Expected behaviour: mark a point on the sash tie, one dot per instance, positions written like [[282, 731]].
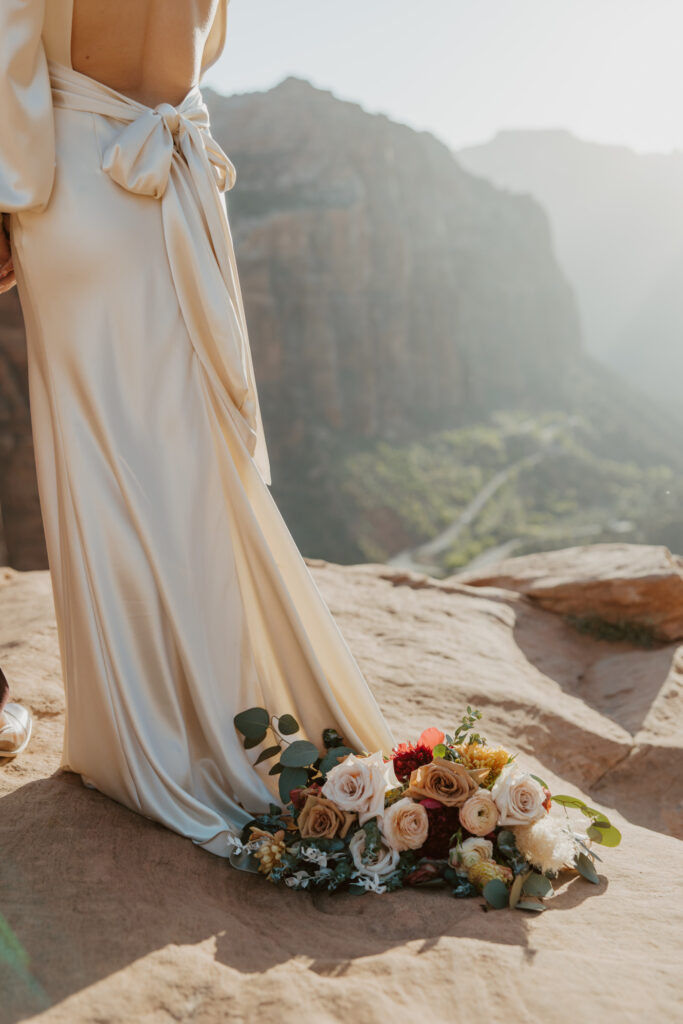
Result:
[[168, 153], [140, 157]]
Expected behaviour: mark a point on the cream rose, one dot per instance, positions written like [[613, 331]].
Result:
[[383, 863], [359, 784], [479, 814], [518, 797], [405, 825], [321, 819], [446, 781], [470, 852]]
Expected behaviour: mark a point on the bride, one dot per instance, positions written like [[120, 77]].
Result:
[[180, 595]]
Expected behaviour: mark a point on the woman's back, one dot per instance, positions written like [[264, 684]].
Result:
[[150, 50]]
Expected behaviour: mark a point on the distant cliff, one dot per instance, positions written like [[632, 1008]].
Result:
[[389, 295], [617, 216], [387, 289]]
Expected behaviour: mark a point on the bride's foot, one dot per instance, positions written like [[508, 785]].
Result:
[[16, 724]]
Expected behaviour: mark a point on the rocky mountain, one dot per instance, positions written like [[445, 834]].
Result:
[[617, 218], [109, 916], [390, 296]]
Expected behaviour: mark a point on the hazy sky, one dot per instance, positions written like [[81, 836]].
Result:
[[609, 70]]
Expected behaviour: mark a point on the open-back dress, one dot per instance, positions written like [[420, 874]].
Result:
[[180, 595]]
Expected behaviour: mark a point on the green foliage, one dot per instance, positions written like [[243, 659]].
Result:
[[537, 885], [564, 484], [333, 757], [289, 779], [585, 867], [496, 894], [460, 736], [299, 754], [530, 903], [253, 723], [331, 738], [373, 840], [509, 854], [463, 889], [606, 835], [601, 829], [268, 753], [287, 725]]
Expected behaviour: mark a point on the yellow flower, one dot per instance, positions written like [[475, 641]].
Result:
[[485, 871], [475, 755], [270, 851]]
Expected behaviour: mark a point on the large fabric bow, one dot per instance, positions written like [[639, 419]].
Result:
[[140, 158]]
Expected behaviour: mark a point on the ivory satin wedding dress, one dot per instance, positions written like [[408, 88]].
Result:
[[180, 595]]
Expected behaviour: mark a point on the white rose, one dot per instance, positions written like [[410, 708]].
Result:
[[384, 862], [359, 784], [518, 797], [470, 852], [405, 824]]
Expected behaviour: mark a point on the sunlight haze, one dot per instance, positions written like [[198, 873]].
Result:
[[607, 70]]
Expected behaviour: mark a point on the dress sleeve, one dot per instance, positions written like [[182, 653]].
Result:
[[27, 141]]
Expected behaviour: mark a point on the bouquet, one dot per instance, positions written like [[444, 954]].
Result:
[[448, 810]]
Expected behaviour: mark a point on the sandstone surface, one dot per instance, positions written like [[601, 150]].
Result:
[[108, 917]]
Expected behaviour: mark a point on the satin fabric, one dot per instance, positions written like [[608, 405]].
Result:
[[180, 595]]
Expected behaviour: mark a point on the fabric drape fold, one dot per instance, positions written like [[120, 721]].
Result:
[[27, 142], [162, 153]]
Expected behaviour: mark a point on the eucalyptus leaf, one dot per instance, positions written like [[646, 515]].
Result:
[[537, 885], [333, 757], [287, 725], [540, 781], [590, 812], [463, 889], [496, 893], [568, 801], [584, 865], [268, 752], [606, 835], [244, 861], [253, 741], [299, 754], [529, 903], [276, 769], [252, 722], [289, 779]]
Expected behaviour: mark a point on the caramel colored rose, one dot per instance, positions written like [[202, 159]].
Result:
[[319, 818], [446, 781]]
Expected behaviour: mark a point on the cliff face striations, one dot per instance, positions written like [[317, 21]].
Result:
[[387, 289], [388, 293]]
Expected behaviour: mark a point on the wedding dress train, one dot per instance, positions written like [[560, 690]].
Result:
[[180, 595]]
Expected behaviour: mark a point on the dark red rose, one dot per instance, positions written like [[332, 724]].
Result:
[[298, 795], [409, 756], [423, 874], [443, 822]]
